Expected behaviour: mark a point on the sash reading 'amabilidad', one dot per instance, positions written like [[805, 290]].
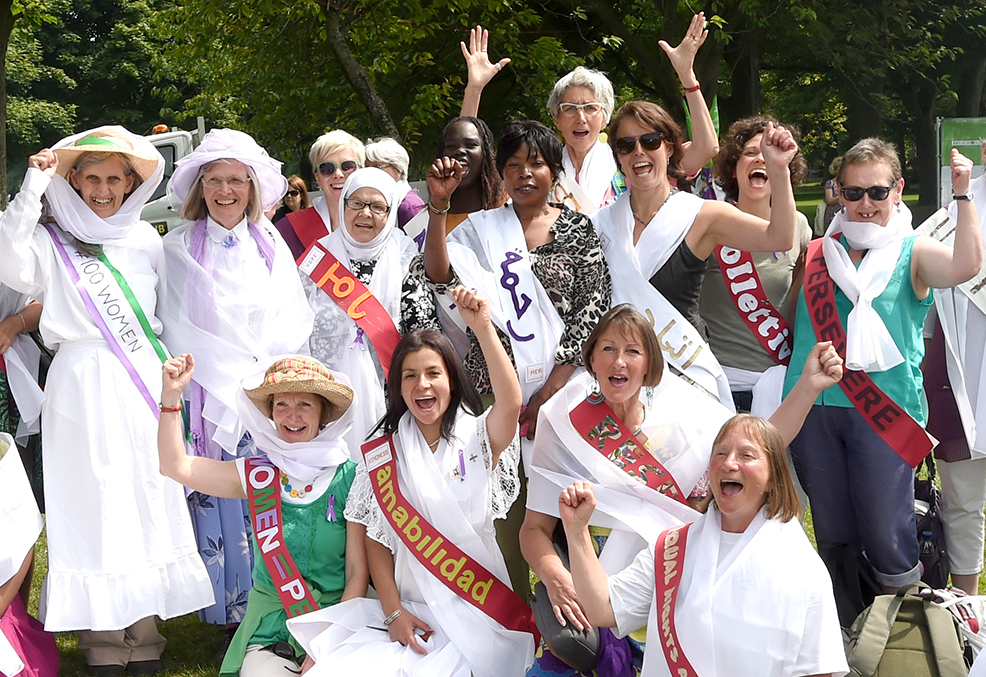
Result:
[[601, 428], [354, 298], [456, 570], [739, 274], [887, 418], [669, 559], [266, 518], [117, 314]]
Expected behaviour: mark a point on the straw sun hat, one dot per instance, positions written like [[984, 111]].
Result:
[[302, 375], [106, 141]]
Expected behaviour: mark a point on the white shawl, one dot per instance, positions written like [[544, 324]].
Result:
[[22, 359], [596, 177]]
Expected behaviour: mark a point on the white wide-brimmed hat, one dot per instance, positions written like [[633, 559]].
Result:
[[145, 160]]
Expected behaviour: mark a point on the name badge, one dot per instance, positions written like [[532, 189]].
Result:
[[535, 372], [378, 457], [312, 260]]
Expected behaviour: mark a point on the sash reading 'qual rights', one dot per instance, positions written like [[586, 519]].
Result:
[[352, 296], [456, 570], [266, 518], [887, 418], [743, 284], [669, 558], [602, 428], [117, 314]]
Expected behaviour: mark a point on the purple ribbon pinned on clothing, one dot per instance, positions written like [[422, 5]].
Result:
[[330, 514]]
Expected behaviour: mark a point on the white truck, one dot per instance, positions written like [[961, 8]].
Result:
[[173, 145]]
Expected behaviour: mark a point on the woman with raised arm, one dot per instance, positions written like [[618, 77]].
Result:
[[297, 412], [745, 564], [428, 492]]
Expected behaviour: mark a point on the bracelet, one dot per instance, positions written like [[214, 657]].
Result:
[[966, 197], [392, 617], [23, 322], [689, 90], [436, 210], [169, 410]]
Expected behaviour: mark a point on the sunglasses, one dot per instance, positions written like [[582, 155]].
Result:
[[329, 168], [626, 144], [294, 192], [356, 205], [876, 193]]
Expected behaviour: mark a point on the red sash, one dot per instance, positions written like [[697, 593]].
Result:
[[451, 566], [307, 225], [3, 364], [669, 558], [602, 428], [760, 316], [888, 419], [360, 304], [264, 500]]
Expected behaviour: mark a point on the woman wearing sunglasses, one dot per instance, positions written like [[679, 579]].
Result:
[[657, 239], [334, 156], [364, 301], [867, 287], [294, 200]]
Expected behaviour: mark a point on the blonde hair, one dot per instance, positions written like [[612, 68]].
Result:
[[334, 141]]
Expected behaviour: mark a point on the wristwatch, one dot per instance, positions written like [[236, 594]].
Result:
[[964, 196]]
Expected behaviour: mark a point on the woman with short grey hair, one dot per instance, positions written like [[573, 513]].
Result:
[[390, 156]]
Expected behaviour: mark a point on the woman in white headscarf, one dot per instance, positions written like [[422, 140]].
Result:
[[120, 545], [230, 294], [358, 337]]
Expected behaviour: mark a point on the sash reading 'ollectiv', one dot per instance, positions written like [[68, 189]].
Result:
[[264, 500], [602, 428], [117, 314], [669, 558], [759, 315], [455, 569], [888, 419], [360, 304]]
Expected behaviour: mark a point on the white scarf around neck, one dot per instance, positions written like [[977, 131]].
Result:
[[598, 169]]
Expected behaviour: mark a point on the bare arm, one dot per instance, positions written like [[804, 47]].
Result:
[[556, 380], [823, 368], [444, 176], [502, 420], [575, 505], [206, 475], [10, 589], [20, 322], [357, 570], [539, 551], [381, 565], [705, 143], [935, 265], [479, 68]]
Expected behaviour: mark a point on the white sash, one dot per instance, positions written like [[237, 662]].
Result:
[[682, 345], [595, 181], [417, 228], [569, 193]]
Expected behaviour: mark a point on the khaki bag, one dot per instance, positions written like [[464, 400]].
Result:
[[905, 635]]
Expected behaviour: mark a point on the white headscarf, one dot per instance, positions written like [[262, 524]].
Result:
[[368, 177], [74, 215]]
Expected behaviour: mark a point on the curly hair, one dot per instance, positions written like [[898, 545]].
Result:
[[731, 149], [490, 182], [651, 116]]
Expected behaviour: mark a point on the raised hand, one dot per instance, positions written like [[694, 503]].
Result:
[[474, 308], [778, 147], [444, 176], [823, 367], [45, 160], [961, 172], [576, 504], [177, 372], [683, 56], [478, 65]]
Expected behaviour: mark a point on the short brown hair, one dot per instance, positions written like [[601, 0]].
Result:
[[628, 318], [195, 209], [871, 151], [782, 500], [731, 148], [651, 116]]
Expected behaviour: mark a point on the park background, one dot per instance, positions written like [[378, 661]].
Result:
[[288, 70]]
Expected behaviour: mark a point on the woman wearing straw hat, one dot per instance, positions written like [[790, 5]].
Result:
[[120, 545], [229, 293], [297, 414]]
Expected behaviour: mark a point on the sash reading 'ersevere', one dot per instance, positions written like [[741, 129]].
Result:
[[888, 419], [360, 304], [266, 518], [669, 558], [743, 284], [459, 572], [601, 428]]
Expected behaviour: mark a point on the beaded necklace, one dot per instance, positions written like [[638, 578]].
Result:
[[289, 489]]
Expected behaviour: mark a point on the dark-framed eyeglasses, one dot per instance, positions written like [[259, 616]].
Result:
[[626, 144], [876, 193], [329, 168], [357, 205]]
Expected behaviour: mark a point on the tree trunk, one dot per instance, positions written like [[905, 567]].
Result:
[[6, 26], [864, 113], [357, 77], [971, 85], [920, 100]]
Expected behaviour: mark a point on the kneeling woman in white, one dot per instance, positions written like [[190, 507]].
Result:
[[740, 591], [442, 472]]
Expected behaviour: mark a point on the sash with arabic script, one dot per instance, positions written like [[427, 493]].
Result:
[[742, 282], [354, 298], [264, 500], [456, 570], [117, 314], [669, 559], [601, 428], [887, 418]]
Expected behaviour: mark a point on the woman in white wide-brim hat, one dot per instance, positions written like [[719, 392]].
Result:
[[120, 546], [230, 294]]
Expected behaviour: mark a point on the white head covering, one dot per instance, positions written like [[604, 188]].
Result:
[[74, 216], [229, 144], [368, 177]]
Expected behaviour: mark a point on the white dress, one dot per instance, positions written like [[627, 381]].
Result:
[[120, 543]]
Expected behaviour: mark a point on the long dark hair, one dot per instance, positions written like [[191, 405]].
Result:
[[490, 183], [462, 391]]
